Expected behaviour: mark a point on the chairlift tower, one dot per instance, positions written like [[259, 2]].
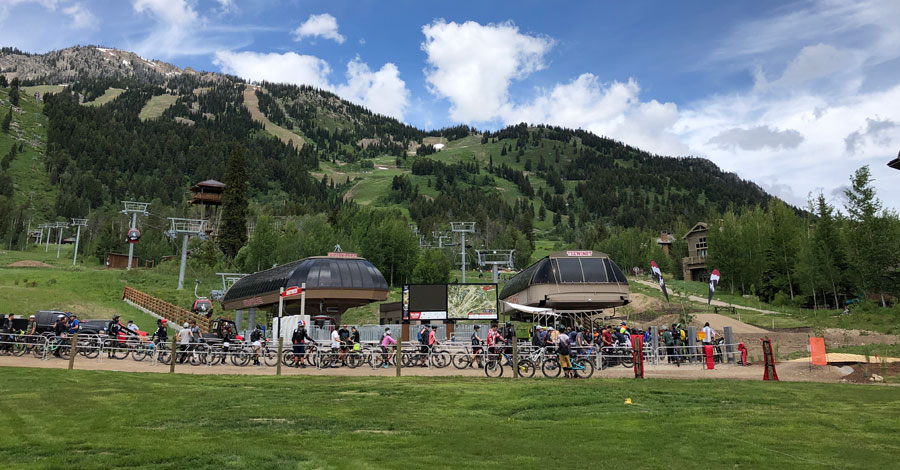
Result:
[[495, 259], [134, 208], [462, 228], [77, 223], [59, 229], [50, 228], [186, 228], [41, 237]]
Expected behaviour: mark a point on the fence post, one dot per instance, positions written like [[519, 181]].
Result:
[[515, 348], [399, 355], [692, 343], [73, 350], [654, 343], [729, 345], [173, 355]]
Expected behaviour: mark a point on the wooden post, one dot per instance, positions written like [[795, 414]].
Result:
[[173, 355], [73, 350], [278, 331], [398, 356], [515, 348]]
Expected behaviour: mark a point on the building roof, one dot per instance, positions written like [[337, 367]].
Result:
[[700, 227], [895, 163], [567, 267], [209, 185], [317, 272]]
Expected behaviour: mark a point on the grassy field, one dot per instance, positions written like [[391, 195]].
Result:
[[89, 290], [109, 95], [286, 136], [156, 105], [86, 420]]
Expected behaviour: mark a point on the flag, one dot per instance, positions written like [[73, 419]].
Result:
[[659, 278], [713, 282]]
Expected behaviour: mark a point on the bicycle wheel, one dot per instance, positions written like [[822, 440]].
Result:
[[64, 350], [118, 351], [461, 360], [163, 355], [627, 359], [269, 357], [526, 368], [19, 348], [139, 353], [39, 349], [240, 357], [440, 359], [89, 348], [551, 368], [354, 359], [583, 368], [493, 368], [199, 355]]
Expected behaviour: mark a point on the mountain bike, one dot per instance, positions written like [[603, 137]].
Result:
[[582, 367], [493, 367]]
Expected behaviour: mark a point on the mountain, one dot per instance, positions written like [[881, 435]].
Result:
[[117, 126]]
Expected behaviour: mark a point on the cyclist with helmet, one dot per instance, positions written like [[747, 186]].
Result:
[[298, 342], [256, 341], [161, 335], [60, 329], [74, 323], [477, 350], [184, 342]]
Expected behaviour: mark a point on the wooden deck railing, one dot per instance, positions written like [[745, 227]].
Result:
[[165, 309]]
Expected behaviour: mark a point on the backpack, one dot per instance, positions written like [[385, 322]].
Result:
[[683, 335], [256, 335]]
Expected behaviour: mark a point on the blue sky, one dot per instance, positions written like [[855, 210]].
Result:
[[793, 95]]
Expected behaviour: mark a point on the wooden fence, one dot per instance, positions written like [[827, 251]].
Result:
[[164, 309]]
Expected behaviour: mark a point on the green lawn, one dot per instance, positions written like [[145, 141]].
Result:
[[86, 420]]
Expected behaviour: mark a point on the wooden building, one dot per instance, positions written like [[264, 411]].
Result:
[[694, 265], [664, 241]]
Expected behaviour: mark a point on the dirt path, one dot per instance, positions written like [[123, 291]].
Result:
[[719, 322], [251, 102], [694, 298], [787, 371]]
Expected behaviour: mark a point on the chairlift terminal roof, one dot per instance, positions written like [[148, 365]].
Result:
[[327, 278]]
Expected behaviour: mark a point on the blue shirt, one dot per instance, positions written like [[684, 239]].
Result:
[[74, 326]]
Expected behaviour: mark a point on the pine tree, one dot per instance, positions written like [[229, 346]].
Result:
[[233, 232], [7, 120], [14, 92], [3, 82], [503, 151], [8, 158]]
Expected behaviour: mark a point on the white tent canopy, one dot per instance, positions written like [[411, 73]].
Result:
[[527, 309]]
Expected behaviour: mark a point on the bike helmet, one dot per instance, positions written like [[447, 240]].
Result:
[[164, 321], [115, 318], [301, 323], [186, 325], [258, 326], [61, 316], [30, 317]]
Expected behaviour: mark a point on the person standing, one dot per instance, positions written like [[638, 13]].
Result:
[[708, 334], [298, 339], [74, 324], [476, 348], [386, 343], [184, 342], [563, 351]]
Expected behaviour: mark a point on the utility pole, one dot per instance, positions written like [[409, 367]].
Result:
[[462, 228], [134, 208], [59, 227], [185, 228], [49, 229], [77, 223]]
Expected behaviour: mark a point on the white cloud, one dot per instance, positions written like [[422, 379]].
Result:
[[382, 91], [757, 138], [289, 67], [173, 12], [82, 18], [880, 132], [323, 25], [473, 65], [613, 110], [226, 6]]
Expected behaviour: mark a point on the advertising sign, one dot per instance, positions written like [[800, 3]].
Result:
[[424, 302]]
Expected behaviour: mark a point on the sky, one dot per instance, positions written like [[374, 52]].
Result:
[[793, 95]]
